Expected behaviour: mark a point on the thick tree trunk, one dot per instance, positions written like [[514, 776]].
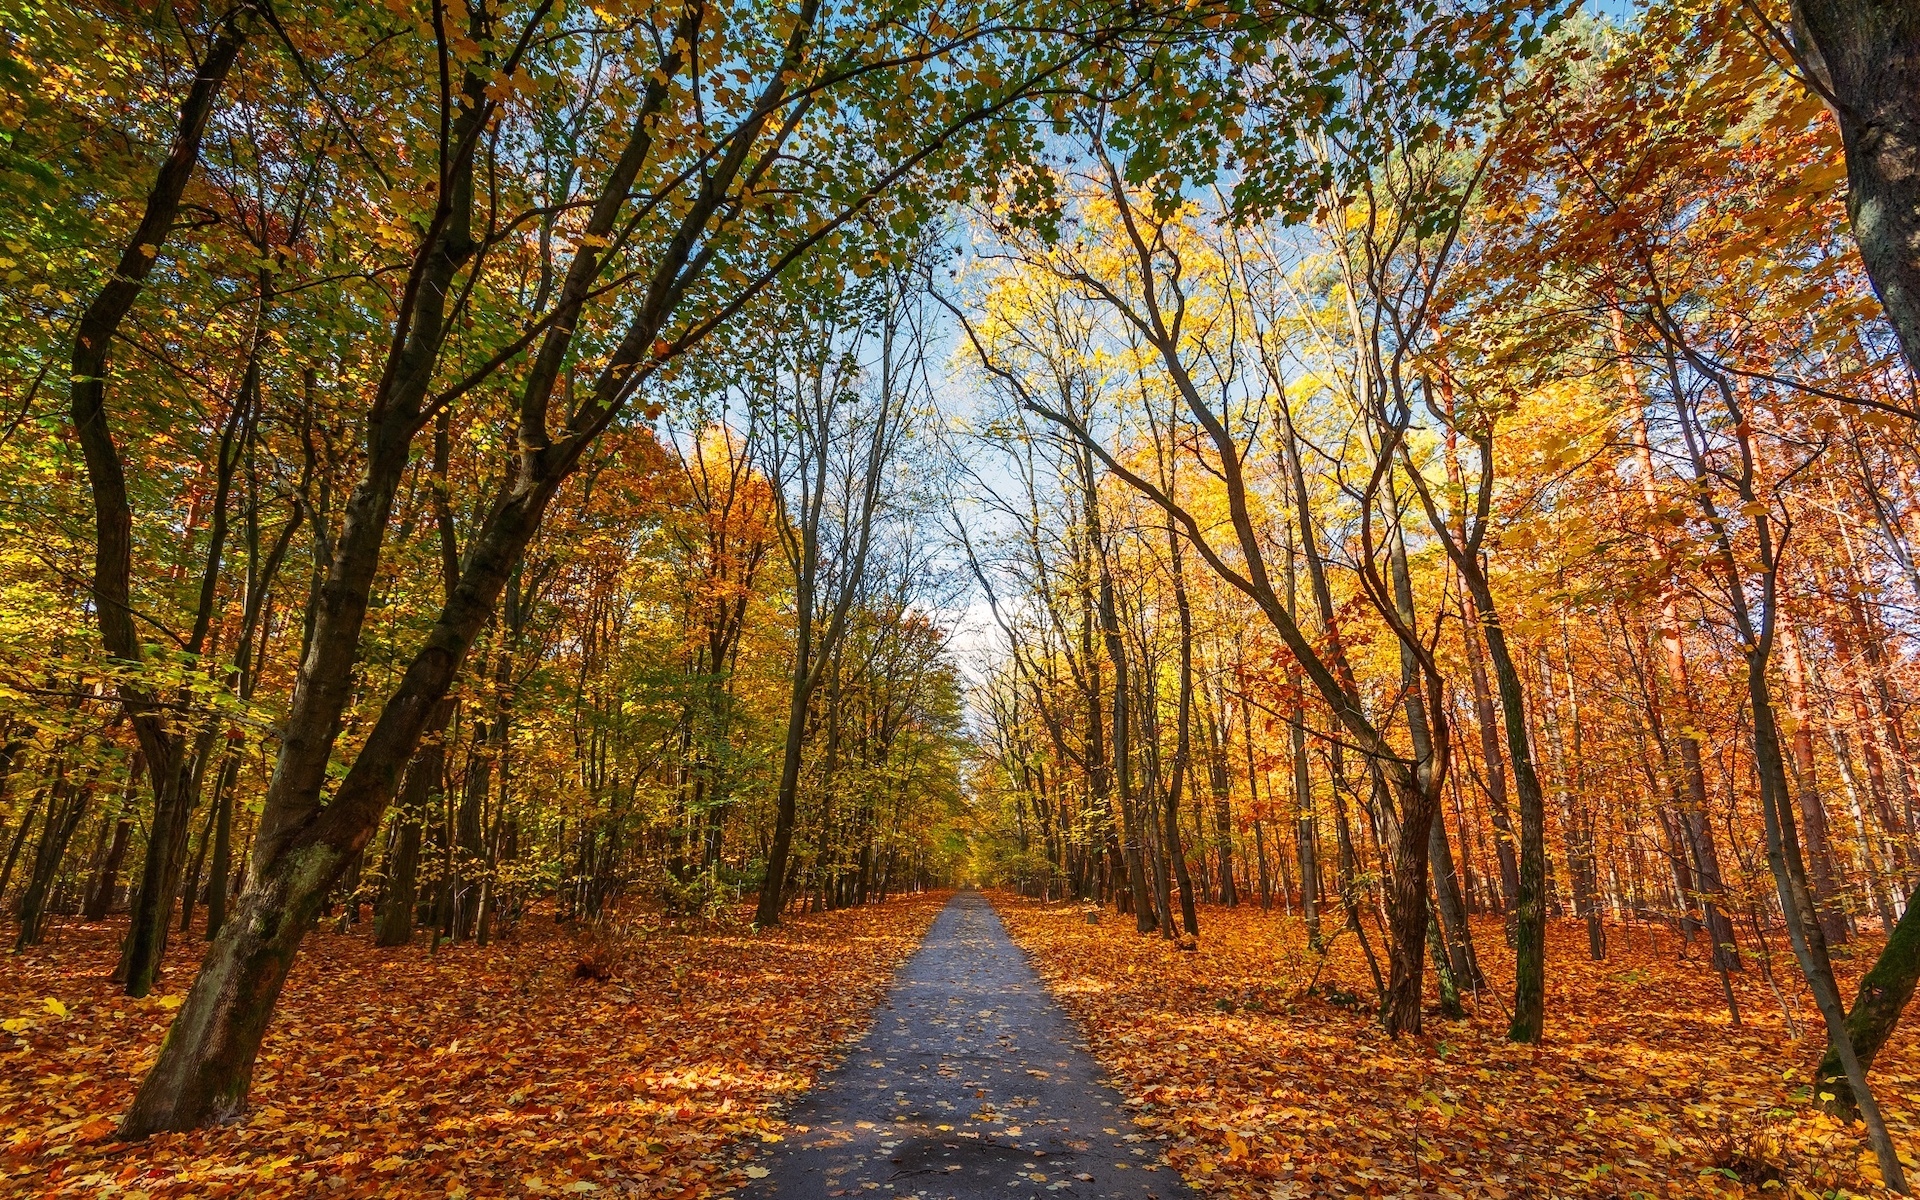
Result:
[[1883, 995], [231, 1001], [206, 1063], [1865, 56], [1407, 909]]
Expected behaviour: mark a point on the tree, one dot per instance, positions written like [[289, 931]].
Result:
[[833, 418], [1863, 58], [693, 211]]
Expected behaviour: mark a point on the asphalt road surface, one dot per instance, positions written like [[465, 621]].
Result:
[[971, 1083]]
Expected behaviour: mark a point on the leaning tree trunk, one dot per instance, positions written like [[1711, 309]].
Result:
[[1800, 912], [206, 1063], [1884, 992]]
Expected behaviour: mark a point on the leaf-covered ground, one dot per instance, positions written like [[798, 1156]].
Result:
[[477, 1071], [1260, 1091]]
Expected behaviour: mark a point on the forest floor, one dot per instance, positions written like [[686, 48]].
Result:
[[480, 1071], [1259, 1090]]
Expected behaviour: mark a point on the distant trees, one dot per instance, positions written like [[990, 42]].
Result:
[[1434, 462], [1530, 470]]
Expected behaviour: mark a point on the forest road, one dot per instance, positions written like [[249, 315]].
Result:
[[971, 1083]]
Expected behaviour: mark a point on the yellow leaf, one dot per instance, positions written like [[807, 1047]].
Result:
[[53, 1006]]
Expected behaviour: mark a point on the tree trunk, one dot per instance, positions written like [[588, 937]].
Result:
[[1690, 791], [1143, 916], [190, 892], [1416, 796], [19, 840], [222, 845], [1453, 911], [1223, 820], [1183, 742], [469, 852], [231, 1001], [113, 519], [394, 925], [1304, 844], [63, 817], [1884, 992], [1530, 929], [1813, 812], [107, 882], [1408, 910], [1493, 763], [1802, 919], [1443, 960], [805, 675], [1865, 56]]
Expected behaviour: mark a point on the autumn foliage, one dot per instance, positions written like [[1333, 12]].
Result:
[[1257, 1065], [480, 1071], [489, 487]]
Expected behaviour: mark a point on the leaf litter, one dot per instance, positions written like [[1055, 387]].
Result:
[[1258, 1089], [472, 1071]]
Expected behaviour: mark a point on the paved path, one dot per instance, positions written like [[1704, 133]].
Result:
[[972, 1083]]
